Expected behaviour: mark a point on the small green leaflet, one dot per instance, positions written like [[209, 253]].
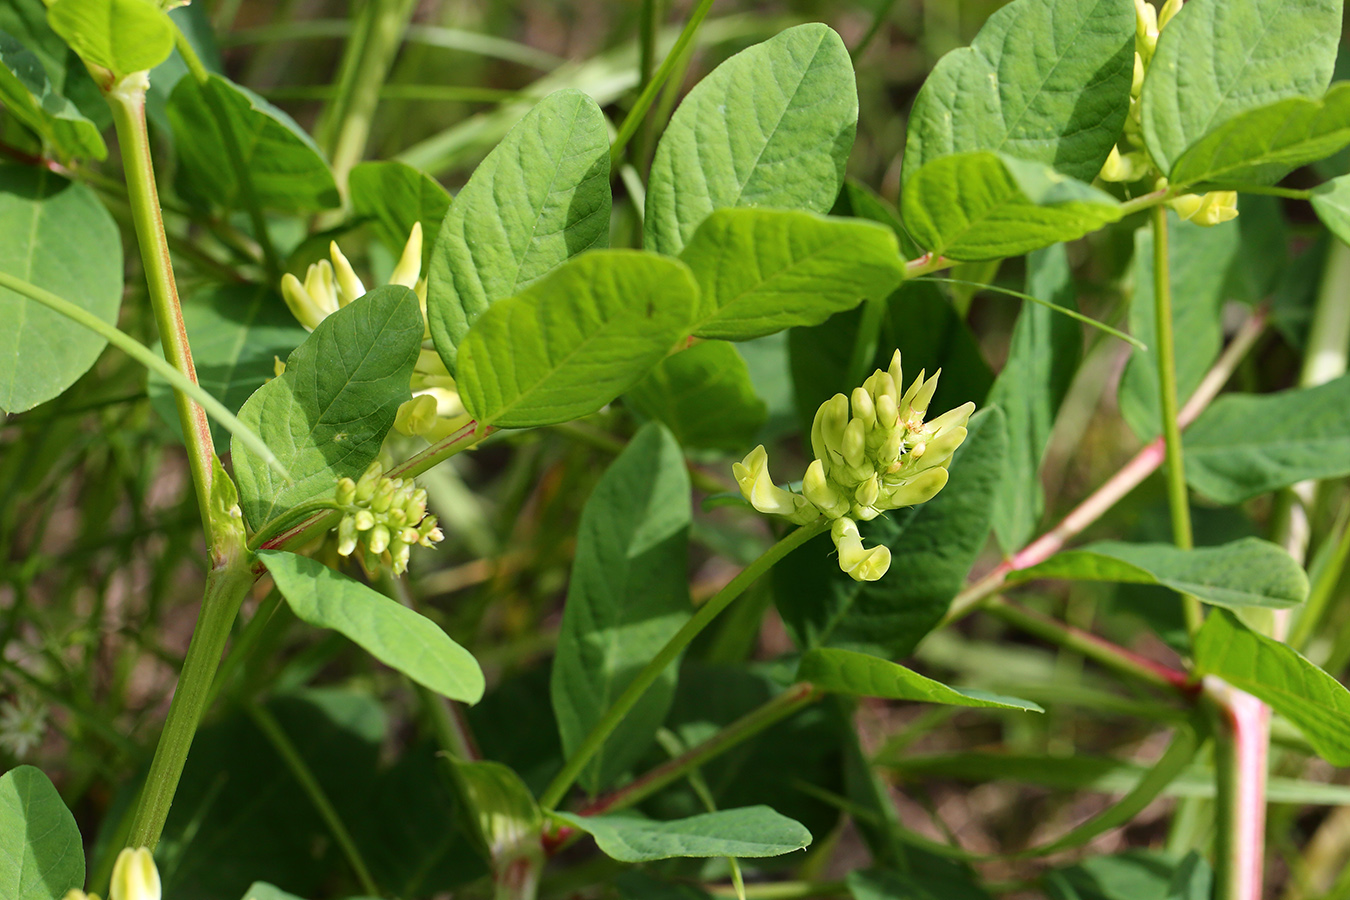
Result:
[[986, 205], [744, 833], [760, 271], [864, 675], [771, 127], [1047, 81], [576, 339], [1275, 673], [41, 854], [391, 632], [541, 197], [124, 36], [1247, 572], [29, 96]]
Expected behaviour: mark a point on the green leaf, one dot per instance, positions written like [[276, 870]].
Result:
[[745, 833], [1331, 202], [627, 598], [1133, 875], [30, 97], [935, 879], [1262, 145], [1245, 444], [932, 546], [59, 237], [395, 196], [124, 36], [261, 890], [864, 675], [575, 340], [389, 631], [1042, 358], [760, 271], [541, 197], [328, 414], [1276, 674], [772, 126], [1247, 572], [41, 856], [1216, 59], [1198, 258], [286, 170], [237, 332], [985, 205], [505, 817], [704, 395], [1044, 80]]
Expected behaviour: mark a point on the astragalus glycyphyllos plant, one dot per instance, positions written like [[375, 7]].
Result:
[[483, 472]]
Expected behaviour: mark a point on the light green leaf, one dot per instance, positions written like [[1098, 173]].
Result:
[[1302, 433], [1216, 59], [286, 171], [772, 126], [864, 675], [760, 271], [1331, 202], [122, 35], [541, 197], [575, 340], [1275, 673], [389, 631], [328, 414], [59, 237], [986, 205], [237, 332], [1044, 80], [1262, 145], [395, 196], [1042, 358], [704, 395], [1248, 572], [744, 833], [29, 96], [627, 597], [1199, 257], [41, 856], [261, 890], [505, 817]]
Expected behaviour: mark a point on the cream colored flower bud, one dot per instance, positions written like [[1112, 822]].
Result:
[[918, 406], [854, 445], [384, 496], [369, 481], [364, 520], [752, 474], [913, 491], [378, 540], [409, 268], [347, 535], [866, 493], [817, 488], [863, 407], [939, 450], [349, 287], [896, 372], [1169, 9], [77, 894], [308, 311], [887, 412], [135, 876], [827, 430], [1210, 209], [952, 418], [399, 553], [858, 563], [1137, 76], [345, 493], [1145, 28]]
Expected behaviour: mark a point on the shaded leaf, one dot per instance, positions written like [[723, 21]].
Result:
[[704, 395], [31, 98], [747, 832], [395, 196], [1331, 202], [864, 675], [41, 856], [934, 879]]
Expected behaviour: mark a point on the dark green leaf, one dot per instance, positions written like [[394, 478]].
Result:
[[1044, 80], [627, 597], [286, 171], [932, 546], [772, 126], [1217, 59], [704, 396], [391, 632], [985, 205], [41, 857], [864, 675], [1275, 673], [1042, 359], [395, 196], [122, 35], [760, 271], [1134, 875], [576, 339], [59, 237], [1246, 572], [1244, 444], [30, 97], [541, 197], [748, 832], [935, 879], [505, 817], [329, 412]]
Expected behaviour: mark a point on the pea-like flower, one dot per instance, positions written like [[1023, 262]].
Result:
[[874, 452], [134, 877], [1212, 208], [385, 516]]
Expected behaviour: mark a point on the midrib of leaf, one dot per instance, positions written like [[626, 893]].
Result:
[[763, 283], [1246, 63], [539, 215], [28, 275]]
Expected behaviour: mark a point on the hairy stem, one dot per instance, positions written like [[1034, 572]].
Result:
[[709, 611]]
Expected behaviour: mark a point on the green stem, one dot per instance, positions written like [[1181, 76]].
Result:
[[226, 587], [281, 742], [784, 890], [1178, 502], [248, 638], [644, 101], [709, 611]]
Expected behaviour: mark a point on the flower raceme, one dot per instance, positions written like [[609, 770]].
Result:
[[134, 878], [386, 515], [873, 452], [435, 410]]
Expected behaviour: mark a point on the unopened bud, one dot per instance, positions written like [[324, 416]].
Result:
[[409, 267], [135, 876], [864, 408], [817, 488], [378, 540], [349, 287], [345, 494], [384, 496], [416, 416], [894, 370], [827, 431], [347, 535], [364, 520], [854, 445]]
